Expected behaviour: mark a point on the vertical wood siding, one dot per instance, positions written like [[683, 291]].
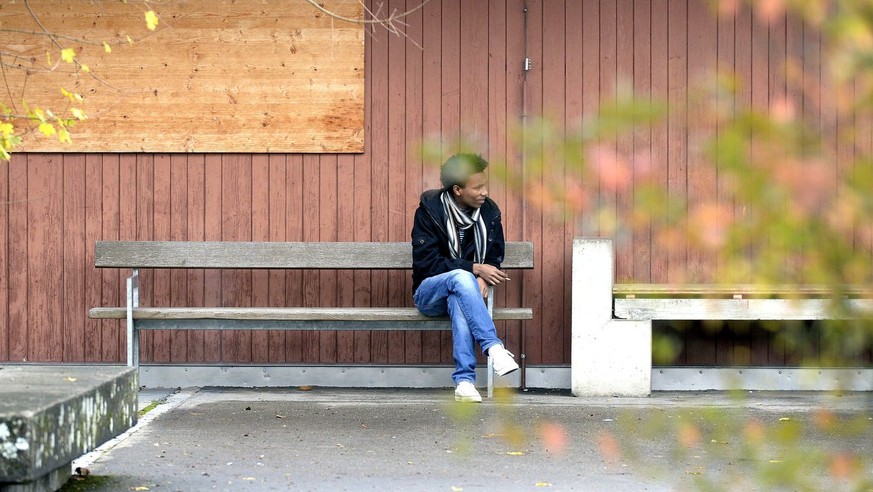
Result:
[[466, 80]]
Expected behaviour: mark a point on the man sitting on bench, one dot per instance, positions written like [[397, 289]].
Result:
[[457, 249]]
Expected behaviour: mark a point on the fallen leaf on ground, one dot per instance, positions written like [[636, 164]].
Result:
[[515, 453], [554, 437]]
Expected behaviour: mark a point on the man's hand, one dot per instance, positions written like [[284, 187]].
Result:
[[489, 273], [483, 287]]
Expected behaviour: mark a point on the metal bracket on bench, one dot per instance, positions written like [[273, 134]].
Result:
[[132, 333]]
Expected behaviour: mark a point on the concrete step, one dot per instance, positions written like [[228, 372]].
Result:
[[52, 414]]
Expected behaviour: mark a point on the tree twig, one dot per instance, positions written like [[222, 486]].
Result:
[[387, 21], [390, 23], [6, 83]]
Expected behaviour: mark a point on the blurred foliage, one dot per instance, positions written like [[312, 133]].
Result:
[[726, 449], [793, 208], [778, 195]]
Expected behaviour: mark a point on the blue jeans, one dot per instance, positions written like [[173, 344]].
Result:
[[457, 294]]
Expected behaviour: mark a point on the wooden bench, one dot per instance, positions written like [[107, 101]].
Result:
[[138, 255], [612, 323]]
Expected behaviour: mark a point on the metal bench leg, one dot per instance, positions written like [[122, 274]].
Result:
[[522, 357], [490, 377], [490, 361], [132, 332]]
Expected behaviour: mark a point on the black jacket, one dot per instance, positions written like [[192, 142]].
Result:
[[430, 241]]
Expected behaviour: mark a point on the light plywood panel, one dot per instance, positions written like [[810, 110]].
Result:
[[228, 76]]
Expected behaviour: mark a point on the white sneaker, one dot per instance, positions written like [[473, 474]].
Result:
[[465, 391], [502, 360]]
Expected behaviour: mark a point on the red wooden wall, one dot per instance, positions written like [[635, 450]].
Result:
[[467, 79]]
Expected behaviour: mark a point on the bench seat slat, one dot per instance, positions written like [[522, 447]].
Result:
[[743, 290], [734, 309], [344, 314]]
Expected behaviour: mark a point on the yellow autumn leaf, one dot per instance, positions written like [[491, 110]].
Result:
[[515, 453], [151, 20], [129, 40], [68, 378], [543, 484], [38, 114], [106, 47], [140, 487], [72, 96], [85, 68], [68, 55], [7, 129], [78, 114], [47, 129], [64, 136]]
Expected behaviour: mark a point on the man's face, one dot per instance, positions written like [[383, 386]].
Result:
[[472, 194]]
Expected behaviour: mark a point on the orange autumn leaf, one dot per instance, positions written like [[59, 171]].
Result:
[[608, 446], [554, 437]]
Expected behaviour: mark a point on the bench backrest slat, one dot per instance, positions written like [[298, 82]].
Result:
[[303, 255]]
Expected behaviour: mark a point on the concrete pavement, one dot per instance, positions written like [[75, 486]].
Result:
[[401, 439]]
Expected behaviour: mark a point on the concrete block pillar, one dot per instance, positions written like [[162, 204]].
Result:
[[53, 414], [609, 357]]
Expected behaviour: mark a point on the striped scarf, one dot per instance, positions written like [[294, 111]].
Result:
[[457, 219]]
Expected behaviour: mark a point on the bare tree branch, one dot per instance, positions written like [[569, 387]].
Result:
[[6, 83], [390, 23]]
